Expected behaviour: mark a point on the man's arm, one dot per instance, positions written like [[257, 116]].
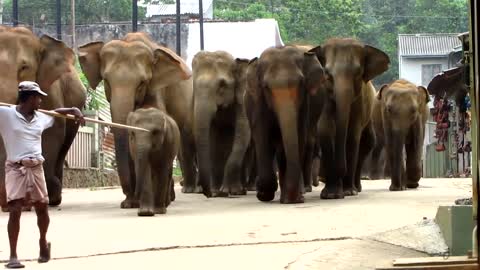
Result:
[[73, 111]]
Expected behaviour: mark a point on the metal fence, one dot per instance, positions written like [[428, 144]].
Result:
[[80, 153]]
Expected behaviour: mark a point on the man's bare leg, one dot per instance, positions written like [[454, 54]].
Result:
[[15, 208], [43, 220]]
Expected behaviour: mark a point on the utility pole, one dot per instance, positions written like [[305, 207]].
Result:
[[15, 12], [271, 6], [59, 19], [200, 12], [179, 45], [74, 45], [134, 15]]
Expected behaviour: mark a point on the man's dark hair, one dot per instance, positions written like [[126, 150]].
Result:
[[23, 96]]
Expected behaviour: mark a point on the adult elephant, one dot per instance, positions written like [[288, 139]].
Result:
[[138, 72], [404, 112], [350, 66], [282, 84], [377, 163], [49, 62], [221, 129]]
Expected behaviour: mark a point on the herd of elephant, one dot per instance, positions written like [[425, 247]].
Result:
[[234, 124]]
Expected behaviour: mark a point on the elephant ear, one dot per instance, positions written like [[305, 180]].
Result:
[[252, 77], [313, 72], [169, 68], [56, 60], [424, 94], [241, 67], [90, 62], [380, 92], [320, 53], [376, 62]]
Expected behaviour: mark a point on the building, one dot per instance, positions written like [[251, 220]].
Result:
[[421, 57]]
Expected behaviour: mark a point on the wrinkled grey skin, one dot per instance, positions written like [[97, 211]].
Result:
[[221, 130], [153, 154], [49, 62], [282, 84], [404, 113], [350, 65], [136, 72]]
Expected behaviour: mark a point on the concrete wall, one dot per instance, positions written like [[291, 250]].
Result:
[[162, 33], [411, 68]]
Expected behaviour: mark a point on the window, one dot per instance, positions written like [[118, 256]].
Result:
[[429, 71]]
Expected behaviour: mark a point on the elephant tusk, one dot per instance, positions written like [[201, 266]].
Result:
[[71, 117]]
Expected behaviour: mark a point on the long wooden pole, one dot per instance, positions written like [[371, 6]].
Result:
[[72, 117]]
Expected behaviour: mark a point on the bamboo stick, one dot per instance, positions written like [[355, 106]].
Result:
[[72, 117]]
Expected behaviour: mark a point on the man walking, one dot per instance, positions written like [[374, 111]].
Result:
[[21, 128]]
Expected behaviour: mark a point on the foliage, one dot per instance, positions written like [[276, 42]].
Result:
[[376, 22], [34, 12]]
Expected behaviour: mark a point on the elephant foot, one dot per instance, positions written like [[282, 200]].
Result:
[[359, 188], [315, 182], [397, 188], [189, 189], [308, 188], [160, 210], [234, 190], [129, 203], [412, 185], [145, 212], [265, 196], [181, 183], [350, 192], [331, 194], [294, 197]]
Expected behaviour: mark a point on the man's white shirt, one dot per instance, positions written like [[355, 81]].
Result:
[[23, 139]]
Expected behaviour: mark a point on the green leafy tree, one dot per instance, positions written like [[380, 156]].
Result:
[[376, 22]]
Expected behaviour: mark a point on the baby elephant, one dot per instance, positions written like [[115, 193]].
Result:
[[153, 153], [404, 112]]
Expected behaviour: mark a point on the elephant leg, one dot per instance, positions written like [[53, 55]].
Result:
[[353, 146], [187, 165], [172, 195], [315, 171], [367, 142], [375, 164], [267, 181], [307, 167], [53, 138], [394, 148], [252, 169], [414, 160], [148, 195], [162, 189], [70, 133], [386, 164], [221, 145]]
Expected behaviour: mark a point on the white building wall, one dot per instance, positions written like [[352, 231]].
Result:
[[241, 39], [411, 68]]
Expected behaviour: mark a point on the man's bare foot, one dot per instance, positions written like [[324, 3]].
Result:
[[45, 249], [14, 263]]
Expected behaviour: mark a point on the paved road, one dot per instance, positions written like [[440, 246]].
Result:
[[89, 231]]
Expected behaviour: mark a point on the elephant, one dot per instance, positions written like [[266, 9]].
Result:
[[350, 65], [138, 72], [284, 100], [377, 167], [404, 113], [49, 62], [221, 129], [153, 153]]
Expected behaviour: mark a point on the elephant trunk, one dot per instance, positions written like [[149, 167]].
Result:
[[120, 107], [203, 115], [343, 101], [287, 115], [142, 168]]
